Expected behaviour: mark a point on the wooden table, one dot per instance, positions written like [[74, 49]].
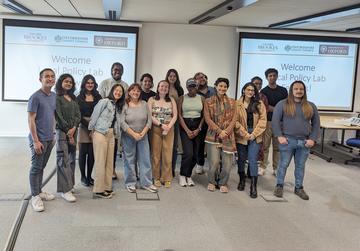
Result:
[[328, 122]]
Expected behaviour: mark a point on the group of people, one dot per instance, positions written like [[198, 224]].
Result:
[[147, 125]]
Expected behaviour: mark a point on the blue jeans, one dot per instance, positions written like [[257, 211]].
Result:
[[296, 148], [38, 163], [250, 152], [136, 151]]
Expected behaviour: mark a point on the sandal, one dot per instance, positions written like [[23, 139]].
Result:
[[167, 184], [211, 187], [224, 189]]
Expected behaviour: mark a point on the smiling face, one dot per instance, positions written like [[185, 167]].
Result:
[[67, 84], [135, 93], [249, 92], [201, 79], [172, 78], [117, 93], [117, 72], [163, 88], [47, 79], [147, 84], [89, 85], [221, 88]]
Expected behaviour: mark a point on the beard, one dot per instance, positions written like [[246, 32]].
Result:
[[202, 87]]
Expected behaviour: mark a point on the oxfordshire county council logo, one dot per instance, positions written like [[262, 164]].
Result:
[[58, 38], [70, 39]]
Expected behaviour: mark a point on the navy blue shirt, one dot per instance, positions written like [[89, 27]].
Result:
[[44, 106], [211, 91]]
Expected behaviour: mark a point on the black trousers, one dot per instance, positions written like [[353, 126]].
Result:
[[86, 156], [190, 147], [201, 153]]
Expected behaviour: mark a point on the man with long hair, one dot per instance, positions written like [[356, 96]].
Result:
[[296, 124]]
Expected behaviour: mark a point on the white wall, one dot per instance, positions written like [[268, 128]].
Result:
[[187, 48]]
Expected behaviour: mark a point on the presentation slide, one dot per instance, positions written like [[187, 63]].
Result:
[[78, 52], [327, 68]]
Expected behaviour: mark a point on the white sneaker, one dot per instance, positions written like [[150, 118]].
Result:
[[151, 188], [199, 169], [261, 171], [131, 188], [190, 182], [46, 196], [69, 197], [182, 181], [37, 204]]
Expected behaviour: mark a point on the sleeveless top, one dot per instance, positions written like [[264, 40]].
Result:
[[192, 106], [163, 114]]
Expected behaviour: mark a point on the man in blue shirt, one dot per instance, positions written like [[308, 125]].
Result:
[[41, 119]]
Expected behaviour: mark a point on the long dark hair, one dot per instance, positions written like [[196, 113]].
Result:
[[131, 87], [60, 90], [157, 96], [254, 100], [83, 90], [118, 104], [177, 85], [289, 107]]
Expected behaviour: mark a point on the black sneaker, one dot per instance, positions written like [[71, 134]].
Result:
[[109, 192], [301, 193], [279, 190], [84, 182], [102, 195]]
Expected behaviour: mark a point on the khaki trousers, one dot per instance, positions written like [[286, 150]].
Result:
[[104, 159], [267, 140], [161, 150]]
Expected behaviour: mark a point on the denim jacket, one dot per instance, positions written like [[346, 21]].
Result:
[[103, 116]]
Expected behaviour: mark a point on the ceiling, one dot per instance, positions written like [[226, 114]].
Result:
[[259, 14]]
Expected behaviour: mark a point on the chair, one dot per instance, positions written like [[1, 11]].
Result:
[[354, 142]]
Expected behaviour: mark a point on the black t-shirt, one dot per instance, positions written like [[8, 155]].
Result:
[[146, 95], [274, 96], [250, 119]]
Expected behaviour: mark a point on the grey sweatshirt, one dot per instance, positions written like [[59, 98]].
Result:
[[295, 127], [135, 118]]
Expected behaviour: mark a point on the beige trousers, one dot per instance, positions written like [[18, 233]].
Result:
[[104, 159], [161, 151]]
